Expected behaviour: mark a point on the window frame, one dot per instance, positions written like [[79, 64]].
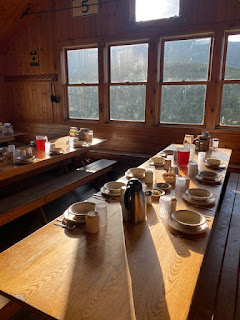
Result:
[[109, 83], [224, 81], [67, 84], [161, 83]]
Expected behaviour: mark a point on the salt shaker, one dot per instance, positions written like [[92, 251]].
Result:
[[92, 222]]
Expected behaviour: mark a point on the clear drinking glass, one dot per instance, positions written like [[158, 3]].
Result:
[[192, 148], [201, 157], [181, 185], [101, 209], [215, 143], [165, 206]]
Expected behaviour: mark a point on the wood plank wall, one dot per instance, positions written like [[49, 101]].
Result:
[[49, 33], [5, 110]]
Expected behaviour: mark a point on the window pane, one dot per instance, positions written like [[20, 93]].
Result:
[[156, 9], [83, 102], [232, 70], [129, 63], [183, 104], [186, 60], [230, 114], [127, 103], [82, 66]]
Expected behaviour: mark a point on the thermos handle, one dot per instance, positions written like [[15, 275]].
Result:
[[126, 198]]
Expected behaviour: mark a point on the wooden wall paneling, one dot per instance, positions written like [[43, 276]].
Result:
[[49, 31], [213, 93]]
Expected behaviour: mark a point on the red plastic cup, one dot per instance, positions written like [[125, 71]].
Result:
[[183, 156], [41, 142]]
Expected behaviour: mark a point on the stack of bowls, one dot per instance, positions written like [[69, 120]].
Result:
[[76, 213], [188, 221], [112, 188], [199, 196], [135, 173]]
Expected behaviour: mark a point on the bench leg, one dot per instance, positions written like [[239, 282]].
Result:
[[42, 215]]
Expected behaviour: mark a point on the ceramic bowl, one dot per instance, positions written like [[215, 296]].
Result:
[[168, 152], [157, 160], [188, 218], [209, 175], [156, 193], [81, 208], [199, 194], [78, 144], [213, 161], [162, 186], [137, 172], [169, 177], [114, 186]]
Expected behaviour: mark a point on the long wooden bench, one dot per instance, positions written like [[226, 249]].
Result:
[[117, 155], [19, 204], [7, 308], [217, 293]]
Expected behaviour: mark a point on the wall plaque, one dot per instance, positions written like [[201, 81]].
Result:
[[84, 7]]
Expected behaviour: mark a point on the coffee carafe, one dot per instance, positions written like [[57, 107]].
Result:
[[134, 204]]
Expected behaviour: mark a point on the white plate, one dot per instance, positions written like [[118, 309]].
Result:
[[206, 202], [107, 192], [215, 181], [156, 164], [188, 230], [71, 218]]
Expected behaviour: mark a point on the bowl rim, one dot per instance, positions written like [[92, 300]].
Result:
[[173, 215], [121, 184], [199, 197], [78, 203]]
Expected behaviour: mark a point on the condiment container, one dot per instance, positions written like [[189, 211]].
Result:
[[149, 176], [148, 195], [92, 222], [73, 131], [167, 164], [173, 203]]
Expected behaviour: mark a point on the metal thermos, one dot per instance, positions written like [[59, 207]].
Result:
[[134, 203]]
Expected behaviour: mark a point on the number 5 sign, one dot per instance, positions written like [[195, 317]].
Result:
[[84, 7]]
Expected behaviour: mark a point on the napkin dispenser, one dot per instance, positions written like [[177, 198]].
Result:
[[134, 203]]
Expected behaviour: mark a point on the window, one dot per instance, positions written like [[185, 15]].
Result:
[[82, 83], [184, 79], [156, 9], [230, 111], [127, 86]]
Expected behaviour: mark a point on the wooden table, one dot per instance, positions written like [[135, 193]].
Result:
[[68, 275], [9, 170], [164, 268]]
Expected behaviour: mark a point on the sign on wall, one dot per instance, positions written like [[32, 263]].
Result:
[[34, 60], [84, 7]]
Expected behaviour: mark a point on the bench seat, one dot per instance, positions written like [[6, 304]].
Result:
[[17, 205], [217, 293]]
